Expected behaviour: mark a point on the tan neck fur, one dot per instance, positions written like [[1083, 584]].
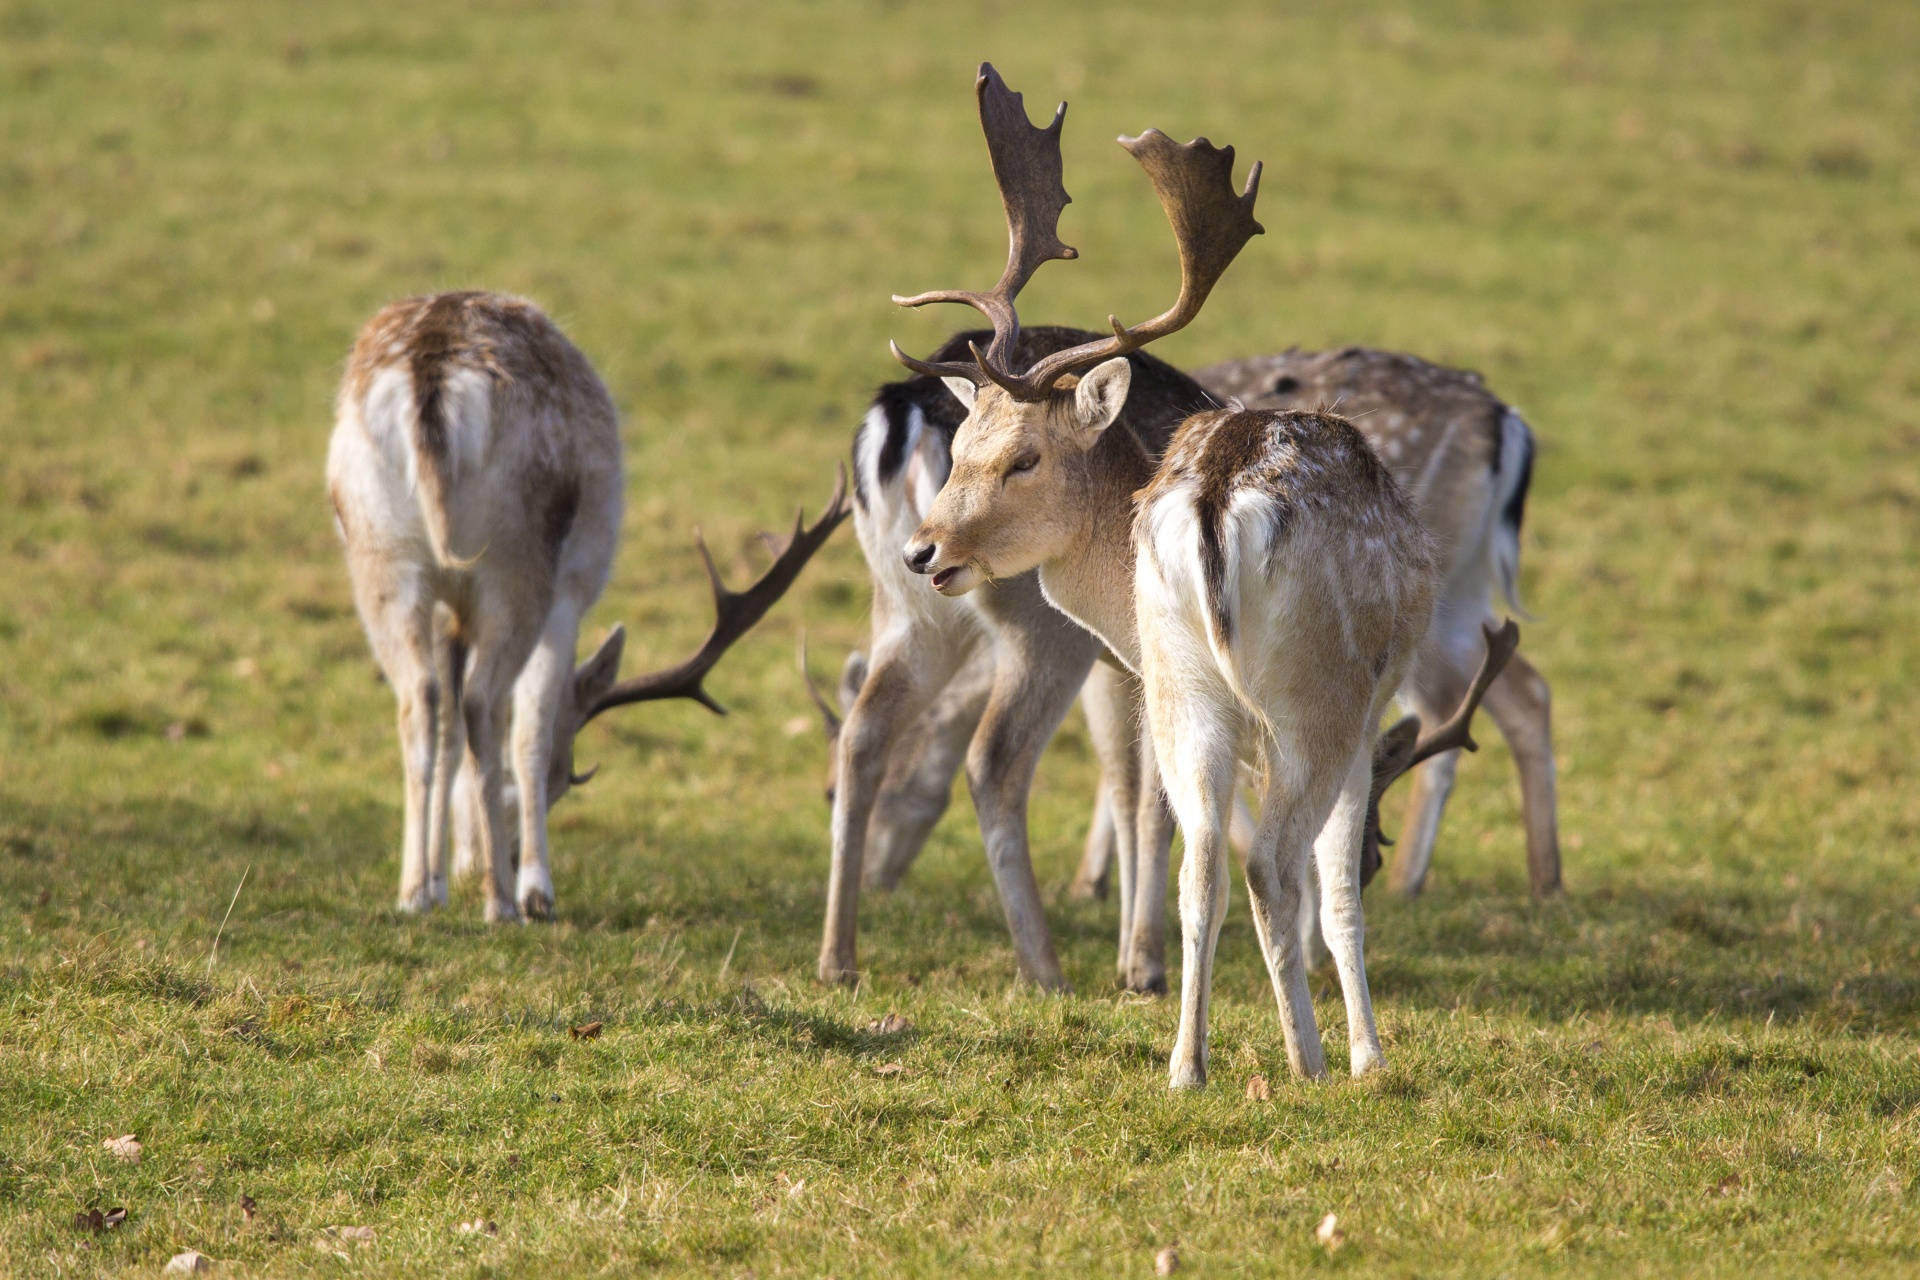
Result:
[[1092, 583]]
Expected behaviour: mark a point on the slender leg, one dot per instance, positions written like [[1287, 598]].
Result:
[[449, 656], [397, 607], [1196, 724], [1336, 856], [1111, 699], [907, 668], [1432, 785], [919, 779], [1040, 664], [1521, 704], [1096, 859], [537, 693], [1146, 959]]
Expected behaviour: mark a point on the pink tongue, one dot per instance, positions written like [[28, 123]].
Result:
[[943, 577]]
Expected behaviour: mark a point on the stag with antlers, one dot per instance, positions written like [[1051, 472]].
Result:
[[1266, 579], [475, 473]]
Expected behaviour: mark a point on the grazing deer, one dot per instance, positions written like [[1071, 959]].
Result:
[[475, 473], [1266, 579], [1465, 459]]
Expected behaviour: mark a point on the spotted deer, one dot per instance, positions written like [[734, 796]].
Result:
[[476, 480], [1266, 579]]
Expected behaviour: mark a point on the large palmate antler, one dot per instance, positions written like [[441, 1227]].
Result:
[[1195, 184], [1403, 746], [735, 612]]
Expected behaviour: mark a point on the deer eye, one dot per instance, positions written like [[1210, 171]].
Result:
[[1025, 462]]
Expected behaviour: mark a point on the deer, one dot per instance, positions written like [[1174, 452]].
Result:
[[902, 454], [1266, 580], [475, 473]]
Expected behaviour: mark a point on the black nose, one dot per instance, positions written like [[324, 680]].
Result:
[[920, 559]]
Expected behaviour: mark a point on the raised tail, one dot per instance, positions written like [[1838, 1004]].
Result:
[[1514, 478]]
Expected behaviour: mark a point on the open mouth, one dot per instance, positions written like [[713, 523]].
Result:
[[945, 576]]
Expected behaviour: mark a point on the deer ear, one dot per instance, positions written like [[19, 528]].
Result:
[[1101, 395], [852, 677], [963, 391], [596, 675]]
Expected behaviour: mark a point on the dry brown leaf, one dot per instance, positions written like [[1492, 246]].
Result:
[[1258, 1090], [188, 1263], [891, 1025], [248, 1208], [1329, 1233], [888, 1069], [96, 1221], [479, 1226], [1166, 1262], [586, 1030], [126, 1147]]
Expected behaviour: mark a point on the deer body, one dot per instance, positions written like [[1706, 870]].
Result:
[[475, 472], [1465, 460], [1270, 590]]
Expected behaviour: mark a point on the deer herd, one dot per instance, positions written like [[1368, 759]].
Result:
[[1235, 570]]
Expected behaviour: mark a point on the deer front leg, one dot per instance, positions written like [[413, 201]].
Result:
[[1426, 805], [906, 669], [1096, 856], [1037, 673], [919, 782]]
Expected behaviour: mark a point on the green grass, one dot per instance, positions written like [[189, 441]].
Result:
[[1685, 238]]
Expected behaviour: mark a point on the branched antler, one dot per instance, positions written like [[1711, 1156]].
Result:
[[1403, 746], [735, 612], [1195, 184]]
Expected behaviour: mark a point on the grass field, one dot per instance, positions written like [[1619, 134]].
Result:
[[1684, 238]]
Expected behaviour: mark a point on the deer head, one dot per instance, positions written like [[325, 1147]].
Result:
[[1018, 459]]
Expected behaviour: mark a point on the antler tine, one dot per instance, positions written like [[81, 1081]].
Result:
[[1211, 225], [827, 713], [1027, 168], [1403, 746], [735, 612]]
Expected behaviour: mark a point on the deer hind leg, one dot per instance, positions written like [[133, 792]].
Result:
[[499, 649], [1521, 704], [906, 670], [1336, 857], [1111, 700], [449, 662], [919, 782], [536, 704], [1196, 727], [1040, 664], [397, 607]]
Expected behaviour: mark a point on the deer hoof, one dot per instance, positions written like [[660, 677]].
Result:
[[1150, 984], [417, 902], [501, 911], [536, 904], [1191, 1077]]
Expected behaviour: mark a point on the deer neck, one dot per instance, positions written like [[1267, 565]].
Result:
[[1092, 581]]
